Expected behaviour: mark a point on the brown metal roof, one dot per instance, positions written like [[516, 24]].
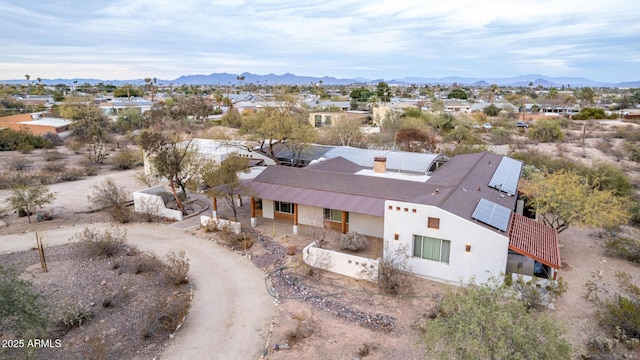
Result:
[[535, 240], [467, 177], [332, 184]]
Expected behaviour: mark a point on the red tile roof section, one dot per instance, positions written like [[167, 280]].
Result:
[[535, 240]]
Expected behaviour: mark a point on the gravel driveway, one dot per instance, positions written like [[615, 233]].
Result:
[[231, 310]]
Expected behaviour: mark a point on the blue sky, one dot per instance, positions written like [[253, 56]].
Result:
[[134, 39]]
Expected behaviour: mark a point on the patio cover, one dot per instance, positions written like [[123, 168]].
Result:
[[535, 240]]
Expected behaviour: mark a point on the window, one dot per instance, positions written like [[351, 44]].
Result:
[[327, 120], [433, 223], [318, 120], [284, 207], [334, 215], [431, 248]]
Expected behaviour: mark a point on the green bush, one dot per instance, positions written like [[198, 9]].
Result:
[[11, 140], [590, 113], [546, 131], [71, 316], [21, 307], [126, 159]]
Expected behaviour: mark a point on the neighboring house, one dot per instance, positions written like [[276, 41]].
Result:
[[383, 110], [118, 105], [37, 124], [455, 222], [321, 119], [459, 106], [217, 151]]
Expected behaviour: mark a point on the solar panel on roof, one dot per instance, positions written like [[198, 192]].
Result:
[[506, 176], [492, 214]]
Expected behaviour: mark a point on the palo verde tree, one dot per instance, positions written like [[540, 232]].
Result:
[[89, 121], [169, 148], [483, 322], [564, 198], [280, 124], [29, 199], [223, 179]]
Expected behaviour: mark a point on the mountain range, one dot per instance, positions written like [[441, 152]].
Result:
[[291, 79]]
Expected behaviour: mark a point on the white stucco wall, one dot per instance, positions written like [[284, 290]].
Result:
[[489, 249], [146, 201], [267, 209], [310, 215], [340, 263], [366, 224]]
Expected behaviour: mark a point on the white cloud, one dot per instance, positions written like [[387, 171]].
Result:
[[349, 38]]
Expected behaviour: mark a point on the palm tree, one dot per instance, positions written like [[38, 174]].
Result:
[[494, 88], [28, 77]]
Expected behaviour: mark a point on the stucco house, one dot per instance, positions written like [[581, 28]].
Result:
[[458, 220], [37, 124]]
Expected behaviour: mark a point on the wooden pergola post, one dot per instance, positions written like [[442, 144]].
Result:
[[344, 222], [295, 219], [215, 207], [253, 212]]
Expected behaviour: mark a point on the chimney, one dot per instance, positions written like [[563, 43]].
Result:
[[379, 164]]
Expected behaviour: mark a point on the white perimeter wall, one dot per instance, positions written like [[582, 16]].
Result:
[[146, 201], [489, 249], [340, 263]]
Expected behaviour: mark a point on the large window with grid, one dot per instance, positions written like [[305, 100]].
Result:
[[335, 215], [431, 248], [284, 207]]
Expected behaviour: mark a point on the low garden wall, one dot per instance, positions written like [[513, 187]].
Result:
[[353, 266], [148, 201], [231, 226]]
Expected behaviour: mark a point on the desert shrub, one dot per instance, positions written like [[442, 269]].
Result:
[[89, 168], [534, 296], [305, 327], [623, 247], [590, 113], [166, 316], [70, 316], [11, 140], [500, 136], [632, 151], [19, 163], [463, 135], [461, 149], [546, 131], [54, 155], [601, 344], [15, 179], [126, 159], [75, 146], [177, 267], [618, 312], [392, 270], [25, 147], [21, 307], [96, 152], [72, 174], [55, 166], [353, 241], [143, 178], [109, 195], [55, 139], [364, 350], [146, 263], [108, 244]]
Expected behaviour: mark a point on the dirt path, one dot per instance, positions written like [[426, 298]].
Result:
[[231, 309]]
